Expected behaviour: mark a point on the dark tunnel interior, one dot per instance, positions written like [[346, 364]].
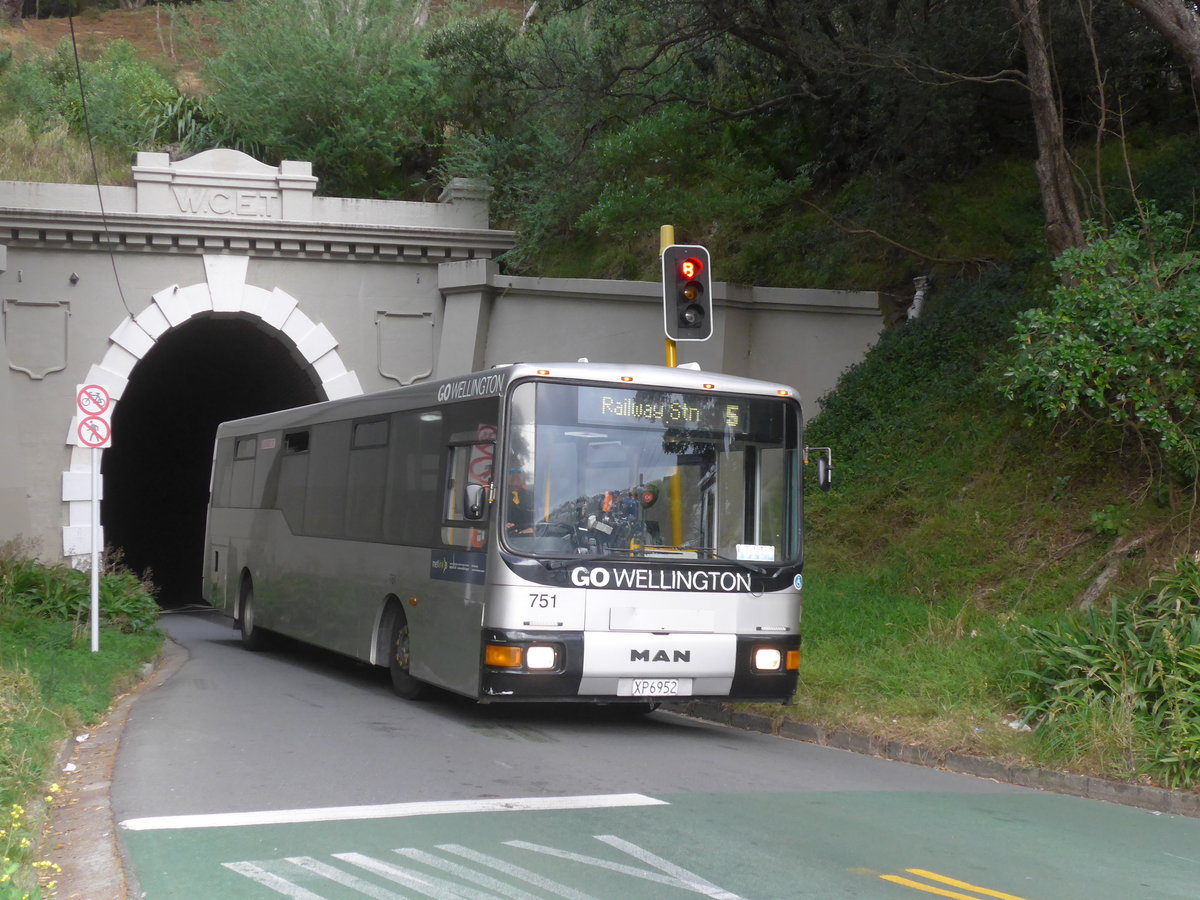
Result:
[[156, 473]]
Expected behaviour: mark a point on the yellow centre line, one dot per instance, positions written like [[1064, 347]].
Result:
[[953, 882]]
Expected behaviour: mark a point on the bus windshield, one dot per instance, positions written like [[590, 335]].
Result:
[[621, 472]]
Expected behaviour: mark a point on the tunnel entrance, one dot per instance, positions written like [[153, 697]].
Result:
[[156, 474]]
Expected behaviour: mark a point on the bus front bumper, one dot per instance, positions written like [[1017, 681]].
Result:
[[633, 667]]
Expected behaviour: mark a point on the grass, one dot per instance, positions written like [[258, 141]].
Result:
[[52, 685], [56, 156], [886, 663]]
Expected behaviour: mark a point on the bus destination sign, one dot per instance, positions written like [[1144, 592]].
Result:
[[612, 407]]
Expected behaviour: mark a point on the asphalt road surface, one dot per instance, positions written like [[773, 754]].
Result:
[[296, 773]]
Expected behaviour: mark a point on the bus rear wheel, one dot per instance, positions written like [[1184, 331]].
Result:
[[253, 637], [403, 683]]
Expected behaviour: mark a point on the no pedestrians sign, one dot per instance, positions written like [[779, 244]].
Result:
[[95, 405]]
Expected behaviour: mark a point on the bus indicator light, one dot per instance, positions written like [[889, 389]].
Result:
[[793, 660], [503, 657]]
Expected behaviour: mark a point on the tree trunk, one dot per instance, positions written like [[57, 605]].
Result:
[[1064, 227], [1178, 22], [10, 12]]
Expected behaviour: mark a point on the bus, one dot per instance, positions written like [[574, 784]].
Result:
[[578, 532]]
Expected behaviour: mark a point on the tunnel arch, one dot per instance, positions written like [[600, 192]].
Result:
[[198, 355]]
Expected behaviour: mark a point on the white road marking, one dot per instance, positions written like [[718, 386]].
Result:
[[337, 876], [427, 885], [421, 883], [269, 880], [530, 878], [677, 877], [386, 811], [464, 873]]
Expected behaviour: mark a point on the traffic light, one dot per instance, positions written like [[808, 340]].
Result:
[[687, 293]]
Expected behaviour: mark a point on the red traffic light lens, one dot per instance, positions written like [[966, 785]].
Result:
[[691, 267]]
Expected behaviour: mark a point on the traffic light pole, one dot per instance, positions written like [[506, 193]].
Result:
[[666, 237]]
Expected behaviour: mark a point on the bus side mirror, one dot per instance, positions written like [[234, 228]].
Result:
[[476, 495], [824, 466]]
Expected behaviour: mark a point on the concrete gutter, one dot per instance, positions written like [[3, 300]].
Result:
[[1182, 803]]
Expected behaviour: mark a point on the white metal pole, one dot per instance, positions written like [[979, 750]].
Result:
[[95, 549]]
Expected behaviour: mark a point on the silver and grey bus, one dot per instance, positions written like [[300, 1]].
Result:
[[567, 531]]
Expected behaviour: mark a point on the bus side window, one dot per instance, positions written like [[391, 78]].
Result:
[[241, 492], [325, 493], [411, 495], [222, 473], [366, 480], [293, 478]]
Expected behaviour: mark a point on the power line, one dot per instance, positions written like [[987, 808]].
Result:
[[87, 130]]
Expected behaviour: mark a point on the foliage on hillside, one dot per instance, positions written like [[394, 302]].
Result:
[[980, 564], [818, 143]]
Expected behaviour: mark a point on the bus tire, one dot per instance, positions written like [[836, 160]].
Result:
[[253, 637], [403, 684]]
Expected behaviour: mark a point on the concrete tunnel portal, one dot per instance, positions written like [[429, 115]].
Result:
[[156, 474]]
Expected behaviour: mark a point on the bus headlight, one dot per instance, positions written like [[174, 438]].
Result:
[[768, 659], [540, 657]]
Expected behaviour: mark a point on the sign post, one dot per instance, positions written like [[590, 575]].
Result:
[[95, 431]]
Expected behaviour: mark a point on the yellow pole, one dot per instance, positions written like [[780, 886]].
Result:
[[666, 237]]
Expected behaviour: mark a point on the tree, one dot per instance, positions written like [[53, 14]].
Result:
[[342, 83], [12, 12], [1064, 226], [1177, 21]]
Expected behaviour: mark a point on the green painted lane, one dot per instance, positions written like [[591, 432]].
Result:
[[1021, 846]]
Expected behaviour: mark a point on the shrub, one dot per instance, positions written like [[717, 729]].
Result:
[[885, 405], [1134, 666], [1118, 343], [63, 594], [340, 82], [119, 87]]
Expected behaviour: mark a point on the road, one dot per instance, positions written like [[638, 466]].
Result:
[[295, 773]]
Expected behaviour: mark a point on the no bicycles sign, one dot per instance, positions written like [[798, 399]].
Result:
[[95, 404]]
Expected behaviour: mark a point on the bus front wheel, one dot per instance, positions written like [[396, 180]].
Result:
[[403, 683]]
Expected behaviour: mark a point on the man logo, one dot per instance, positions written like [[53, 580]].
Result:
[[660, 656]]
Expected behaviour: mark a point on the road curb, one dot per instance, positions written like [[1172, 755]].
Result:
[[1183, 803]]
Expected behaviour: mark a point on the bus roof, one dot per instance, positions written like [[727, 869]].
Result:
[[493, 382]]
